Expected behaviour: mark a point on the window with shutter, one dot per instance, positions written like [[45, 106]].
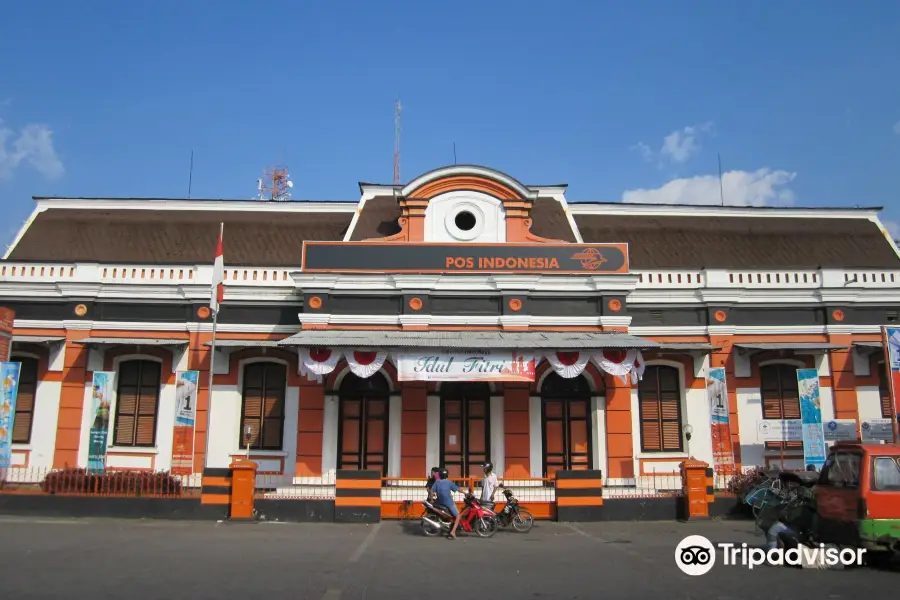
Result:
[[884, 390], [137, 403], [263, 405], [25, 400], [781, 398], [659, 402]]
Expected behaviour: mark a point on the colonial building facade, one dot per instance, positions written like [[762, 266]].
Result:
[[459, 318]]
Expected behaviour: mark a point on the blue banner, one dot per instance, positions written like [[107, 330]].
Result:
[[814, 449], [102, 392], [9, 389]]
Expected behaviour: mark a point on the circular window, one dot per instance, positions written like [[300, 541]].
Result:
[[465, 220]]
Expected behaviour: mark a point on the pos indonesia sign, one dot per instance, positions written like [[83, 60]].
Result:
[[102, 392], [474, 366], [185, 416], [717, 394], [9, 388], [814, 451]]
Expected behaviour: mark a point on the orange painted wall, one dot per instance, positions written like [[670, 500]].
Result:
[[619, 444], [414, 430], [843, 379], [516, 431], [310, 419], [71, 401]]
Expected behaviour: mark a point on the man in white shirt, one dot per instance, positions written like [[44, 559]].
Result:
[[489, 484]]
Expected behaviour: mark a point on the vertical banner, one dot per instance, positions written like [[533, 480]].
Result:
[[814, 450], [891, 340], [102, 391], [9, 388], [717, 394], [185, 415]]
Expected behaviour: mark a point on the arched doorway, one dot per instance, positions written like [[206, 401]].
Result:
[[566, 424], [465, 427], [363, 423]]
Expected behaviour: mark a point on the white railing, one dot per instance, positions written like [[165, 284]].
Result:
[[780, 279]]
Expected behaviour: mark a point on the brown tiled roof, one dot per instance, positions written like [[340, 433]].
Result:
[[377, 219], [187, 237], [548, 220], [674, 242]]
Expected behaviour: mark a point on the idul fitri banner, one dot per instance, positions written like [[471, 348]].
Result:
[[814, 450], [717, 394], [185, 415], [9, 389], [507, 365], [102, 391]]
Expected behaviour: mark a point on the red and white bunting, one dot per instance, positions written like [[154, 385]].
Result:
[[365, 364], [318, 361], [568, 364], [217, 293], [619, 362]]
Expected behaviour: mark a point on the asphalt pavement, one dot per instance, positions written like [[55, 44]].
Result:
[[97, 558]]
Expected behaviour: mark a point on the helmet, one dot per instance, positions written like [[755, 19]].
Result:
[[488, 466], [444, 474]]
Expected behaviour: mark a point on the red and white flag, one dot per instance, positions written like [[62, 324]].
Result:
[[218, 277]]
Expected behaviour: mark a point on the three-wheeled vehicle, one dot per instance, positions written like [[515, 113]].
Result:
[[858, 498]]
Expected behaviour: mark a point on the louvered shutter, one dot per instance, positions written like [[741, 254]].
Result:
[[25, 400], [659, 401], [263, 405], [137, 403], [781, 397], [887, 406]]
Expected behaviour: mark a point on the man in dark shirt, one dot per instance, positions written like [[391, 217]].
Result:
[[442, 489]]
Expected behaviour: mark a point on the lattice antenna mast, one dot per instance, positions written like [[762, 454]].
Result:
[[397, 110], [275, 185]]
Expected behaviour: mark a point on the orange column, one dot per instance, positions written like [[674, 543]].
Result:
[[71, 401], [198, 360], [722, 358], [846, 405], [310, 421], [516, 431], [413, 429], [619, 444]]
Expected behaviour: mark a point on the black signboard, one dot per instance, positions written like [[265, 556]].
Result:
[[402, 257]]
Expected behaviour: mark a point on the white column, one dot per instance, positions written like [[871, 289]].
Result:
[[395, 424], [291, 425], [329, 436], [535, 436], [598, 431], [498, 448], [433, 437]]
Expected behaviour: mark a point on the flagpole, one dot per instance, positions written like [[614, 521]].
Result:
[[212, 358]]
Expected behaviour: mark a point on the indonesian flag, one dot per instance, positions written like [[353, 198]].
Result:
[[218, 277]]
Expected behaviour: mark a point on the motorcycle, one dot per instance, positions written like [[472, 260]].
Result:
[[513, 514], [475, 518]]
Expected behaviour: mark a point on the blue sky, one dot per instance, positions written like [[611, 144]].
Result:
[[623, 101]]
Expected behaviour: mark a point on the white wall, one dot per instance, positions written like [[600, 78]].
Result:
[[490, 217], [535, 436], [598, 431], [42, 444], [498, 446], [868, 400], [395, 423], [750, 412], [433, 433], [330, 436]]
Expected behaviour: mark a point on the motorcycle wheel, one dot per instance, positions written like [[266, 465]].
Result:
[[523, 522], [429, 529], [485, 527]]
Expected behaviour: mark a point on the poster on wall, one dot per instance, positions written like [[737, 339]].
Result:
[[891, 341], [814, 450], [9, 388], [185, 415], [102, 391], [717, 393], [474, 366]]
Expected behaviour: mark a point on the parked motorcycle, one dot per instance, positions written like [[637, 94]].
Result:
[[476, 518], [513, 514]]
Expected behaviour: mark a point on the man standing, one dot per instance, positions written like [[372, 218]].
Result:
[[489, 484], [442, 489]]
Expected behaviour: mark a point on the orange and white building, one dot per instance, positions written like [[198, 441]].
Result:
[[462, 317]]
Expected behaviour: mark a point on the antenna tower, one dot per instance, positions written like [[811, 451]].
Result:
[[397, 110], [275, 185]]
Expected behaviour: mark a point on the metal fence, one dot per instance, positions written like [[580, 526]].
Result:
[[277, 486], [110, 482]]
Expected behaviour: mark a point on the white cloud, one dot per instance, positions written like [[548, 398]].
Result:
[[740, 188], [33, 146], [897, 127], [678, 147]]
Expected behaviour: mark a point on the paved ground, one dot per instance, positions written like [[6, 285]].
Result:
[[171, 560]]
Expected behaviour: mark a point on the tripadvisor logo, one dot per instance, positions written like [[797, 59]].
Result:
[[696, 555]]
